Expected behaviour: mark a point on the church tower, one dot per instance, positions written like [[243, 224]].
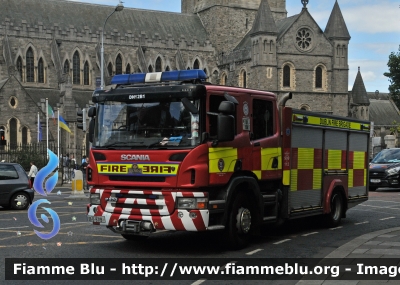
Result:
[[263, 43], [278, 7], [336, 31], [228, 21]]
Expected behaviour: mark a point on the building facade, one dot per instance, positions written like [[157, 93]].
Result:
[[51, 49]]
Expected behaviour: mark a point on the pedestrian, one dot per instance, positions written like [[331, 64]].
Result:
[[83, 168], [83, 159], [65, 168], [32, 173]]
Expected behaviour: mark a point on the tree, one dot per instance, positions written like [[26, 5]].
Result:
[[394, 76]]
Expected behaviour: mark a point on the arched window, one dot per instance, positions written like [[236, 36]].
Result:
[[243, 79], [150, 68], [158, 64], [86, 73], [286, 76], [196, 64], [66, 67], [318, 77], [128, 69], [167, 68], [118, 65], [224, 79], [13, 133], [110, 69], [19, 66], [24, 135], [40, 71], [76, 69], [30, 68]]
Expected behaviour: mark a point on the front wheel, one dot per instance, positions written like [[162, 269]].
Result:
[[20, 201], [337, 208], [239, 222]]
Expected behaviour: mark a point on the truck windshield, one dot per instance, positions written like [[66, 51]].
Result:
[[146, 125]]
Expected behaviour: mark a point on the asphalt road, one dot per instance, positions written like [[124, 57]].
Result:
[[302, 238]]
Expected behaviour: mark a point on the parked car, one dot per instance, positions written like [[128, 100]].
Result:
[[384, 169], [15, 191]]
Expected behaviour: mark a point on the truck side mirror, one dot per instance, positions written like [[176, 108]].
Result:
[[91, 130], [226, 128]]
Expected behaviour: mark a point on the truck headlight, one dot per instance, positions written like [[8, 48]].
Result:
[[192, 203], [95, 198]]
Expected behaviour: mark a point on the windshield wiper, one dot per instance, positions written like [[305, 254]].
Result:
[[122, 144]]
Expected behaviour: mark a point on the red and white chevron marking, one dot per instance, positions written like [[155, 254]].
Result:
[[166, 217]]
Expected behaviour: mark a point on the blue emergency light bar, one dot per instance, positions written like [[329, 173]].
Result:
[[175, 75]]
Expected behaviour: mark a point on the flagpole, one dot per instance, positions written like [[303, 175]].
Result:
[[38, 127], [58, 133], [47, 124]]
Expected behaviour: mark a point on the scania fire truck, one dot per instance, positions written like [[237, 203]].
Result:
[[171, 151]]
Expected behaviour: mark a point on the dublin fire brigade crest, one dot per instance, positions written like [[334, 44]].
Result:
[[221, 164], [135, 169]]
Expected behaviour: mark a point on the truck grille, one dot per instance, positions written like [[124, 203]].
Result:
[[133, 202], [137, 178]]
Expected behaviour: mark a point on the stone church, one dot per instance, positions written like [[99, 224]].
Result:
[[51, 49]]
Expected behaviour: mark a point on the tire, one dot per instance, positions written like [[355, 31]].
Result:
[[372, 189], [134, 237], [337, 207], [238, 234], [20, 201]]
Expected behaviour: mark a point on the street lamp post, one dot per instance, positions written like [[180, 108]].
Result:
[[119, 7]]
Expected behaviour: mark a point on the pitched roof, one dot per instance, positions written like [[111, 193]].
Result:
[[281, 27], [264, 22], [336, 27], [359, 92], [63, 13], [383, 112]]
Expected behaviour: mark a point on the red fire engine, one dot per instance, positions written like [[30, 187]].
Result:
[[171, 151]]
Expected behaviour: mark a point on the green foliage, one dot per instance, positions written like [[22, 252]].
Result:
[[394, 76], [24, 158], [395, 127]]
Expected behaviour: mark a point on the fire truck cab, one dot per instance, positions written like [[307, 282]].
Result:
[[171, 151]]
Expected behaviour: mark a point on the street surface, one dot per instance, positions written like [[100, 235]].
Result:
[[302, 238]]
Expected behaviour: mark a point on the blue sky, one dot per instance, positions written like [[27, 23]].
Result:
[[374, 27]]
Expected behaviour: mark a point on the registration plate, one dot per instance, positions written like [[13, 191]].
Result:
[[375, 180], [97, 219]]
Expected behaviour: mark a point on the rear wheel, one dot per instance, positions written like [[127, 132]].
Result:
[[239, 222], [337, 208], [20, 201]]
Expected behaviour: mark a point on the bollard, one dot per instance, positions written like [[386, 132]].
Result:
[[77, 186]]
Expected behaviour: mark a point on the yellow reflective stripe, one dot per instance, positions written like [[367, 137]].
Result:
[[227, 154], [257, 173], [267, 155], [334, 159], [365, 177], [293, 176], [351, 178], [286, 177], [305, 158], [317, 179], [330, 122], [359, 160]]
